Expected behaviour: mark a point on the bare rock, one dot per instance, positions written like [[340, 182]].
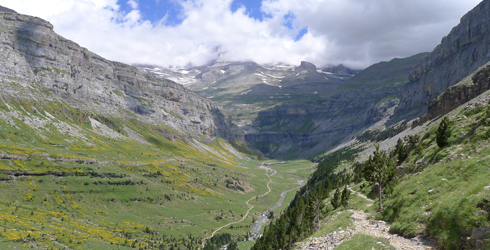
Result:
[[480, 233]]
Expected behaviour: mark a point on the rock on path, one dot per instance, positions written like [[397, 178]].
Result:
[[372, 228], [381, 229]]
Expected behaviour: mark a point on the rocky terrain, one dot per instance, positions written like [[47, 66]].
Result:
[[297, 111], [33, 54], [460, 53], [373, 228], [454, 96]]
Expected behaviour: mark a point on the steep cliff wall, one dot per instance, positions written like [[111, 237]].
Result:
[[460, 53], [32, 53], [315, 126], [459, 94]]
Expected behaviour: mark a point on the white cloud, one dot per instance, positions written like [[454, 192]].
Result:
[[354, 32], [133, 4]]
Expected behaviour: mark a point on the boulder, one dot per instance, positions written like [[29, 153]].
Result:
[[481, 233]]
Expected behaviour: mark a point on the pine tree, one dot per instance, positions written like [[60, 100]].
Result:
[[400, 151], [345, 197], [443, 133], [379, 169], [314, 211], [336, 199], [232, 246]]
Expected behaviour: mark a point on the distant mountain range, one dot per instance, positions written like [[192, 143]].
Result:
[[296, 111]]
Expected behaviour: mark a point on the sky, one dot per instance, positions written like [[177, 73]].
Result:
[[176, 33]]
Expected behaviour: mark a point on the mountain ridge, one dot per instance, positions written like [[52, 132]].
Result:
[[459, 54], [33, 50]]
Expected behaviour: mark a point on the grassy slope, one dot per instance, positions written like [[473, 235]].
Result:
[[145, 195], [394, 72], [442, 194]]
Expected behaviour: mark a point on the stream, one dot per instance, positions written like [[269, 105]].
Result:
[[262, 220]]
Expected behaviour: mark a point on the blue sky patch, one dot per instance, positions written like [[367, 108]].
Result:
[[289, 20], [301, 33], [154, 10], [252, 6]]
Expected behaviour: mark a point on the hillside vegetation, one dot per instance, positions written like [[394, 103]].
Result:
[[80, 180], [440, 191]]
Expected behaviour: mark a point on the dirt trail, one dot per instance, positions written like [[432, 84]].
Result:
[[250, 207], [374, 228], [361, 195]]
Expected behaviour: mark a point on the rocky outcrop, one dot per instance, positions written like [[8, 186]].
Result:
[[306, 66], [32, 53], [3, 9], [459, 94], [460, 53], [480, 237]]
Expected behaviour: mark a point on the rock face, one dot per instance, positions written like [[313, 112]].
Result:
[[335, 113], [298, 111], [3, 9], [460, 53], [318, 125], [32, 53], [306, 66], [459, 94]]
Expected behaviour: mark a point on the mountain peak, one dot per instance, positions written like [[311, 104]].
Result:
[[306, 66]]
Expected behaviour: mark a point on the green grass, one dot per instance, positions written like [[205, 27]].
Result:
[[28, 40], [117, 92], [245, 245], [165, 185], [342, 222], [358, 203], [361, 241], [394, 72], [444, 197]]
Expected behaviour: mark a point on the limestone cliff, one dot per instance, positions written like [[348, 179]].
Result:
[[460, 53], [33, 54], [459, 94]]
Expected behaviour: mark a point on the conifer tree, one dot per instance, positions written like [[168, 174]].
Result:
[[315, 208], [345, 197], [232, 246], [336, 199], [400, 151], [379, 169], [443, 133]]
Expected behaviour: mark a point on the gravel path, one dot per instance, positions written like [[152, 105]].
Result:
[[374, 228], [377, 228]]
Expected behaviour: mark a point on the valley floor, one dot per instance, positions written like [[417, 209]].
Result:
[[262, 219], [27, 222]]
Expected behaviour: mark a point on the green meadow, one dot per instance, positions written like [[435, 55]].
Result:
[[68, 183]]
